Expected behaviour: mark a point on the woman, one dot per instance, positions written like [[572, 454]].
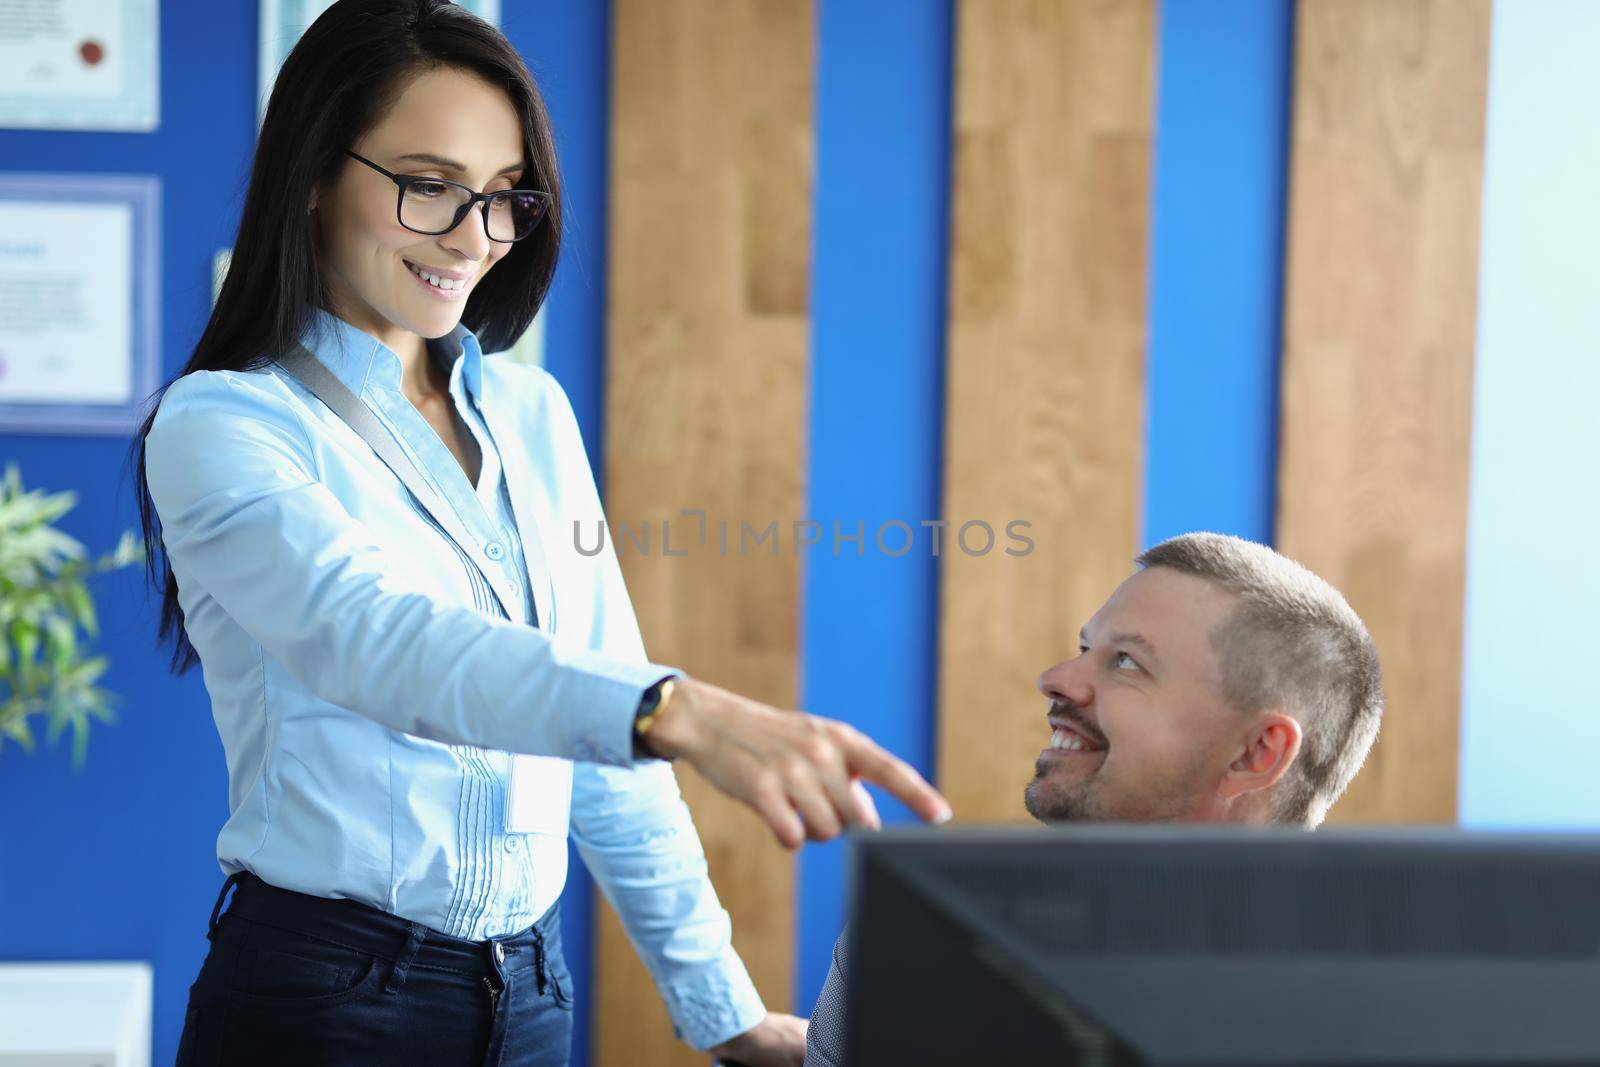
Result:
[[363, 529]]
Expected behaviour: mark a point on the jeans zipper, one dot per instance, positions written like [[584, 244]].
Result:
[[494, 994]]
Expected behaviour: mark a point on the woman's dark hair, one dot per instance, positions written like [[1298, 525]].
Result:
[[347, 70]]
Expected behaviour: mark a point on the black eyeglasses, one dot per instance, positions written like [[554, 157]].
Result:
[[437, 205]]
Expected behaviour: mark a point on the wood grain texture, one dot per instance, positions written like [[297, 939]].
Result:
[[706, 398], [1044, 418], [1379, 331]]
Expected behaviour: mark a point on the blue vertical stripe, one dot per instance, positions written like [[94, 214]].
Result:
[[1216, 264], [567, 47], [877, 366]]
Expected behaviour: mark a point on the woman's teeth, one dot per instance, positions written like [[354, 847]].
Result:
[[435, 280]]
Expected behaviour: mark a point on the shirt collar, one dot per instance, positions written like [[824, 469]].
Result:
[[358, 359]]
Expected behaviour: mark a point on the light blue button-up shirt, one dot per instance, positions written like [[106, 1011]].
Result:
[[367, 702]]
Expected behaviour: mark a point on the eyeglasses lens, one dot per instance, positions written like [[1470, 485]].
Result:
[[431, 207]]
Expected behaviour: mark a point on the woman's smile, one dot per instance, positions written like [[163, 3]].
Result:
[[448, 286]]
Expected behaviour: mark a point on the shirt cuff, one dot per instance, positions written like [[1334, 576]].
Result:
[[713, 1003], [604, 733]]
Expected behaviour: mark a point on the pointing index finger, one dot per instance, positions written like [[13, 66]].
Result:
[[865, 758]]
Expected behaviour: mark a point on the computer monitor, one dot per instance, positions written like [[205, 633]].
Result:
[[1239, 946]]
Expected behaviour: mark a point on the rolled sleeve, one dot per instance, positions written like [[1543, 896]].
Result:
[[638, 840]]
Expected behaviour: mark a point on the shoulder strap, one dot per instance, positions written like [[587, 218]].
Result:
[[315, 376]]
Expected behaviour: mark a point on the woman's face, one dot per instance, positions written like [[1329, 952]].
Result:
[[447, 123]]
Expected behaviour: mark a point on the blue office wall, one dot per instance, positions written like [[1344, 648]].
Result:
[[877, 373], [1529, 725], [118, 862], [1216, 264]]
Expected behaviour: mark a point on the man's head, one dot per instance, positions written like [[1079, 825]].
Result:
[[1221, 682]]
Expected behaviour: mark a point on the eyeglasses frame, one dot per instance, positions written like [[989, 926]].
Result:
[[401, 181]]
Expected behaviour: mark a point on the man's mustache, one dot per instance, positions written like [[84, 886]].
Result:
[[1070, 712]]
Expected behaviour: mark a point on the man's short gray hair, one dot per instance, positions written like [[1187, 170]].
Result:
[[1292, 643]]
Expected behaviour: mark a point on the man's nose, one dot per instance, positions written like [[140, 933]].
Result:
[[1068, 682]]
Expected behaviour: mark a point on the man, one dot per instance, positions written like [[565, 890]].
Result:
[[1221, 682]]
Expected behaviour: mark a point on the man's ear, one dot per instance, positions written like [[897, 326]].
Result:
[[1270, 749]]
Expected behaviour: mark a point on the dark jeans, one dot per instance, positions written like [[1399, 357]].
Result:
[[304, 980]]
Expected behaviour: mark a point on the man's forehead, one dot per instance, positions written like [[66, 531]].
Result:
[[1162, 606]]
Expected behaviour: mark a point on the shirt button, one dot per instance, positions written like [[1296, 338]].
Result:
[[495, 551], [513, 843]]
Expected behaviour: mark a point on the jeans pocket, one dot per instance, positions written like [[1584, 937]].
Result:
[[560, 980], [273, 966]]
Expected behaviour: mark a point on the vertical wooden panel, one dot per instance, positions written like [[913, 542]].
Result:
[[1045, 402], [1380, 320], [711, 173]]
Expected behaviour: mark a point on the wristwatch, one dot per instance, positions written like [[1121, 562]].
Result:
[[651, 705]]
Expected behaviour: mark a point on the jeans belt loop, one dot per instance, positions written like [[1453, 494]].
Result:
[[397, 976], [538, 960], [216, 909]]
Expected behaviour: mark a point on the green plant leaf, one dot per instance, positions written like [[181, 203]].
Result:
[[130, 549], [57, 718], [24, 639], [35, 507], [81, 606], [90, 670], [99, 704], [17, 730], [61, 544], [61, 642], [44, 603], [80, 743]]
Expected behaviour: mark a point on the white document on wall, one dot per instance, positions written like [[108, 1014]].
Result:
[[66, 303], [78, 296], [80, 64]]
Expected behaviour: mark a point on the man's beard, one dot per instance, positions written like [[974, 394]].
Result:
[[1051, 804], [1164, 800]]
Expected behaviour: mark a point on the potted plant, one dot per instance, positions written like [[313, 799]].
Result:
[[44, 604]]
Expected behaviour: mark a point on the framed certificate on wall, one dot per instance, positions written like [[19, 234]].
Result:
[[79, 301], [79, 65]]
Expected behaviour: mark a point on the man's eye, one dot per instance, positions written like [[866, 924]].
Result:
[[1125, 662]]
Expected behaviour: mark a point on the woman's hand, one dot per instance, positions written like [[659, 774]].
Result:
[[798, 771], [776, 1041]]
